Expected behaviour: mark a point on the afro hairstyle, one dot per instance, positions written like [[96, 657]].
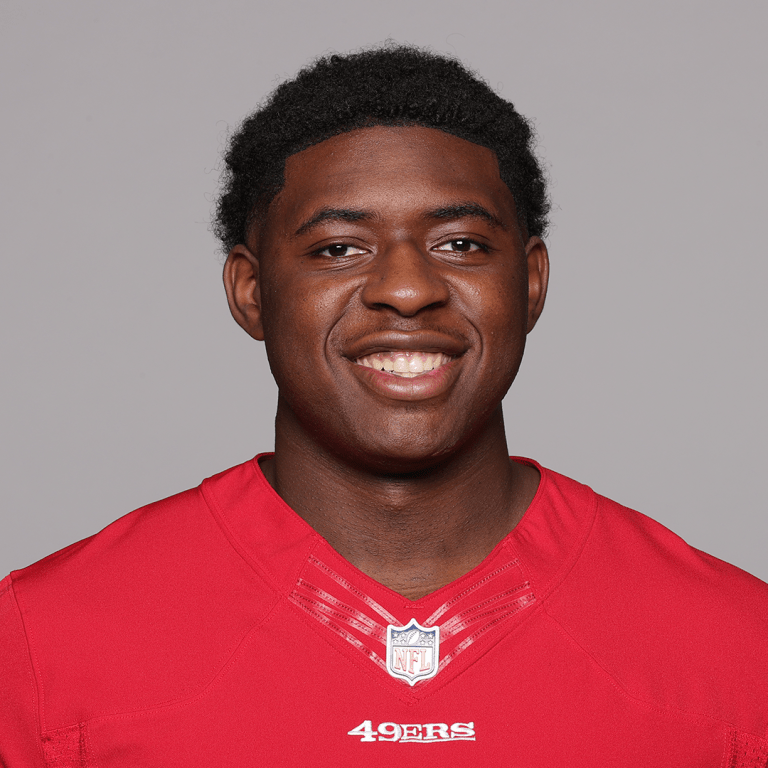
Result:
[[391, 85]]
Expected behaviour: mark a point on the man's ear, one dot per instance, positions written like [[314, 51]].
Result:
[[538, 278], [241, 282]]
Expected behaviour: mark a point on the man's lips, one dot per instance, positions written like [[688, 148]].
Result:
[[407, 366]]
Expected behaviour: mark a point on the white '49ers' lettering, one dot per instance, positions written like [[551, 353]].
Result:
[[426, 733]]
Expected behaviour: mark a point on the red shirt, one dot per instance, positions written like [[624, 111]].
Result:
[[216, 628]]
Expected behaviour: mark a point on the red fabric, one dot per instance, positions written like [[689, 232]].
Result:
[[746, 752], [217, 628]]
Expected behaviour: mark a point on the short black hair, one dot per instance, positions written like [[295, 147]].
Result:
[[392, 85]]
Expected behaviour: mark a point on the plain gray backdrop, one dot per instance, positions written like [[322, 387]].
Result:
[[124, 379]]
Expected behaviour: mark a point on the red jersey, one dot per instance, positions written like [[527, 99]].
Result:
[[216, 628]]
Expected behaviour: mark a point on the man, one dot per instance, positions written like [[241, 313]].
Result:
[[388, 576]]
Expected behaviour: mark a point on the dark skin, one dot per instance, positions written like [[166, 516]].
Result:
[[394, 244]]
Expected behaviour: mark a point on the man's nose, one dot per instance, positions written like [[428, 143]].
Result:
[[405, 279]]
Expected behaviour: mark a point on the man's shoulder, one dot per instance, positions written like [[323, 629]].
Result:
[[673, 626], [659, 568], [156, 536], [156, 533], [145, 607], [618, 549]]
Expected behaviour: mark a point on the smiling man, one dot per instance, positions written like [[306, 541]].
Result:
[[394, 288], [388, 578]]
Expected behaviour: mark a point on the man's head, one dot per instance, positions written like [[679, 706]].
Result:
[[393, 278], [391, 85]]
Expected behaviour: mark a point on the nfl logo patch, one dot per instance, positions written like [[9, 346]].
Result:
[[413, 652]]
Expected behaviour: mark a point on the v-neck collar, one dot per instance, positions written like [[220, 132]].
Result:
[[355, 610]]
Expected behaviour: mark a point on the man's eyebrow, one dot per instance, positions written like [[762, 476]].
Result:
[[464, 211], [332, 214]]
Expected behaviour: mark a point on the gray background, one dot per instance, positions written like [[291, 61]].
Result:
[[125, 380]]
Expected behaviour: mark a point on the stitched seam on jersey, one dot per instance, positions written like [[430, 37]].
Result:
[[486, 604], [187, 701], [213, 507], [653, 706], [473, 653], [406, 694], [470, 640], [326, 614], [397, 688], [351, 588], [342, 633], [499, 613], [465, 619], [70, 746], [35, 673], [448, 604], [320, 595], [727, 747], [218, 668], [566, 568], [734, 748], [91, 750], [470, 653]]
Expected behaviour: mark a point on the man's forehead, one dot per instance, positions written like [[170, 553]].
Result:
[[426, 172], [367, 147]]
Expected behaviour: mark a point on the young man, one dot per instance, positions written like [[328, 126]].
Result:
[[388, 578]]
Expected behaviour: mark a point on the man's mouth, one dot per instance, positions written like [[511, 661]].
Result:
[[405, 363]]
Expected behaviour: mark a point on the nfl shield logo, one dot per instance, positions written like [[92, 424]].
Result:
[[413, 652]]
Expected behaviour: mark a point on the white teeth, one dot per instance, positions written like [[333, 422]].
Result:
[[404, 363], [401, 364]]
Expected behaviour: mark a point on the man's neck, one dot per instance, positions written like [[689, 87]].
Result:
[[413, 532]]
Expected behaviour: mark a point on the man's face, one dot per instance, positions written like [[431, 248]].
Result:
[[394, 290]]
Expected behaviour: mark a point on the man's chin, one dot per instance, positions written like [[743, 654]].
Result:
[[398, 459]]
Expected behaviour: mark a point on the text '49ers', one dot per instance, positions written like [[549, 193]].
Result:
[[405, 732]]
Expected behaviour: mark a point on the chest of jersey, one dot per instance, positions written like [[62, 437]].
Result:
[[316, 682]]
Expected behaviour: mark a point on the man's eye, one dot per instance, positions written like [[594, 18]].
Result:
[[460, 245], [339, 251]]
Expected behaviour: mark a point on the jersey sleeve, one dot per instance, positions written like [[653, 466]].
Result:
[[19, 738]]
